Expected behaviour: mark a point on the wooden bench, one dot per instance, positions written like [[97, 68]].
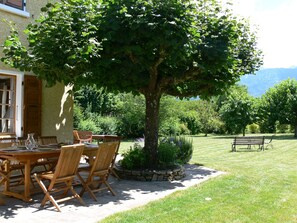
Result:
[[248, 141]]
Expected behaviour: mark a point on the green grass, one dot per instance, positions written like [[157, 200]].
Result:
[[258, 187]]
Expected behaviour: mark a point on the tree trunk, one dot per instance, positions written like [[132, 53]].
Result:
[[152, 101], [243, 131], [295, 132]]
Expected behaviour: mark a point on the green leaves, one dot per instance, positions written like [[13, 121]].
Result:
[[280, 103], [194, 49]]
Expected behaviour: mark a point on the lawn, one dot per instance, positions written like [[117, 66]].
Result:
[[258, 187]]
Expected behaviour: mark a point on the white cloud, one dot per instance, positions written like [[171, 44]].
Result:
[[277, 32]]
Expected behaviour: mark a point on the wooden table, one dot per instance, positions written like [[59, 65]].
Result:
[[27, 158]]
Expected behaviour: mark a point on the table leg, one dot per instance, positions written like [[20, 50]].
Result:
[[7, 170], [27, 181], [27, 178]]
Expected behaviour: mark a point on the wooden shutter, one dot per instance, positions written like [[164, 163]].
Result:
[[32, 105]]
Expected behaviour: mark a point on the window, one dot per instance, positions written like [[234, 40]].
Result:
[[20, 103], [11, 102], [17, 7], [7, 103], [18, 4]]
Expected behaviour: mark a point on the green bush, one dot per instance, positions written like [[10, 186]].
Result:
[[253, 128], [282, 128], [170, 126], [167, 154], [184, 129], [107, 125], [135, 158], [131, 116], [185, 148], [89, 125]]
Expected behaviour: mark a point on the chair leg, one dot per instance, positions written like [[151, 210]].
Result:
[[115, 174], [77, 196], [2, 201], [103, 180], [109, 187], [85, 187], [47, 195]]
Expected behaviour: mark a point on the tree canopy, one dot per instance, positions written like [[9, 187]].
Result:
[[152, 47], [238, 109], [279, 103]]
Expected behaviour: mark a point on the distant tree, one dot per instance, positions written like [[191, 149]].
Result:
[[130, 115], [96, 100], [188, 114], [209, 118], [200, 116], [238, 110], [182, 48], [279, 103]]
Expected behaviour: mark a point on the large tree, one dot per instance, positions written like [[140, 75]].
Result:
[[237, 109], [150, 47], [279, 103]]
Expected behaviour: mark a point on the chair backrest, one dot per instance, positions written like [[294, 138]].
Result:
[[111, 138], [46, 140], [104, 156], [82, 136], [7, 142], [68, 161]]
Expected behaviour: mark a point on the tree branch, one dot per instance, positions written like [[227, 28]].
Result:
[[189, 74]]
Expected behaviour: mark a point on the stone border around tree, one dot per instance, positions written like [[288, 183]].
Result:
[[176, 173]]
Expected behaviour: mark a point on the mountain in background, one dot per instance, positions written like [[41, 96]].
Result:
[[264, 79]]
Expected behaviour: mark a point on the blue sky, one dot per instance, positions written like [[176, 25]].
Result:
[[277, 29]]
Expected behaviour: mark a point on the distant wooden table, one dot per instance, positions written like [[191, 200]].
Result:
[[101, 137], [90, 150], [27, 158]]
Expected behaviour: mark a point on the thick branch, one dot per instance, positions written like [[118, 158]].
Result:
[[186, 76]]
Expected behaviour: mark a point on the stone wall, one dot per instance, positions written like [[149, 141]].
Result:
[[175, 173]]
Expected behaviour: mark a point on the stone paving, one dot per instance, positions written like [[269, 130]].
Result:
[[130, 194]]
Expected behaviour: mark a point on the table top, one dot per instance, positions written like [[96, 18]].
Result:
[[22, 154], [43, 151], [95, 136]]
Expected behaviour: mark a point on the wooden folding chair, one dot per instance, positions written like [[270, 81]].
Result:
[[82, 136], [11, 171], [99, 171], [113, 138], [49, 163], [61, 179], [48, 140]]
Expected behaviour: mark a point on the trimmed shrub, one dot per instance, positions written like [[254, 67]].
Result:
[[167, 154], [135, 158], [253, 128], [185, 148]]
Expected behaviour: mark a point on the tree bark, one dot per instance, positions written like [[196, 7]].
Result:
[[243, 131], [152, 126]]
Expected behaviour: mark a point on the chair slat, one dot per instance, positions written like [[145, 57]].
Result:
[[100, 169], [65, 172]]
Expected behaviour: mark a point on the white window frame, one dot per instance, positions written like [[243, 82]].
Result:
[[19, 99], [16, 11]]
